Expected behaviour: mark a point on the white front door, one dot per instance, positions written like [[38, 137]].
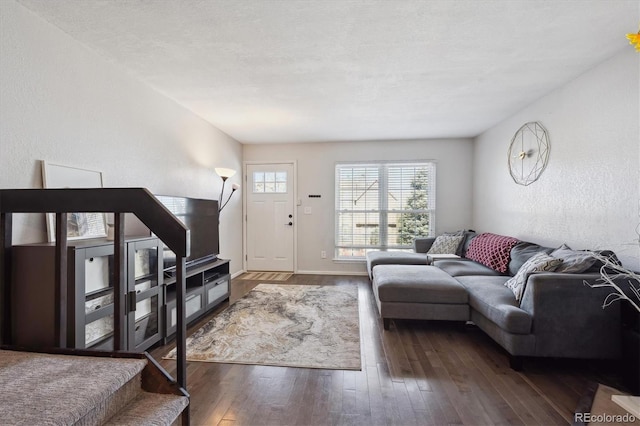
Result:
[[270, 217]]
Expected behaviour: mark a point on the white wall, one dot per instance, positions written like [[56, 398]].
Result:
[[316, 175], [62, 103], [589, 194]]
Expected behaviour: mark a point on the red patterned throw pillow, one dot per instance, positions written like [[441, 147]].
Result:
[[492, 250]]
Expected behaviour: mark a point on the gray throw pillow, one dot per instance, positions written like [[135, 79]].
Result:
[[540, 262], [574, 262], [445, 244], [467, 236], [522, 252], [595, 268]]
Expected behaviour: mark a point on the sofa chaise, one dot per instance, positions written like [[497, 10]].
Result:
[[551, 314]]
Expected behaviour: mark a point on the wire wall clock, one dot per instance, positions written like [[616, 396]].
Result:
[[528, 153]]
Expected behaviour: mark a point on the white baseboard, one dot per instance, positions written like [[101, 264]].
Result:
[[237, 274], [350, 273]]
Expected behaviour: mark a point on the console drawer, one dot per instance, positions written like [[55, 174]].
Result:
[[194, 306], [217, 290]]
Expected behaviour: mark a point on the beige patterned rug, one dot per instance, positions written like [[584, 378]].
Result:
[[284, 325], [266, 276]]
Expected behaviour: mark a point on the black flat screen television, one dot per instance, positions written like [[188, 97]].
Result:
[[201, 217]]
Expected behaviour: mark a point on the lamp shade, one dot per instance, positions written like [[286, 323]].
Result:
[[225, 173]]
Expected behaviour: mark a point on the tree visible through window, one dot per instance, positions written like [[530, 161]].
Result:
[[383, 206], [418, 222]]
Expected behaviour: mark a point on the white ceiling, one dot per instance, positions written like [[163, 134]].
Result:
[[334, 70]]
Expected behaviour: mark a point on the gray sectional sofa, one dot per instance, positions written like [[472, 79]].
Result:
[[558, 314]]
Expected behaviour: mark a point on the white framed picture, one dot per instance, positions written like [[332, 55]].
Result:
[[79, 225]]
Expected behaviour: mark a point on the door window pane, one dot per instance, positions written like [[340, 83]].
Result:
[[269, 182]]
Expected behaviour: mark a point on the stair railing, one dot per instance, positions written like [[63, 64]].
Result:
[[118, 201]]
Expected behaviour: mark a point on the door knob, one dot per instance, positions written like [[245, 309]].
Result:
[[289, 224]]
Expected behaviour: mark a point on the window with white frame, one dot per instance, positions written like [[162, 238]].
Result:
[[383, 206]]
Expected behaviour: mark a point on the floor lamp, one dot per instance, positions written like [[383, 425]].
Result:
[[224, 175]]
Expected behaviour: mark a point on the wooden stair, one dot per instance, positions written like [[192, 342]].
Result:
[[90, 388]]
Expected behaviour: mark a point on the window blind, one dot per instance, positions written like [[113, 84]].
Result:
[[383, 206]]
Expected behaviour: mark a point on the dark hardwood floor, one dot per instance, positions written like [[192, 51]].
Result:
[[418, 373]]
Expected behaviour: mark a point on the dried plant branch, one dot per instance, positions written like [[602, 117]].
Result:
[[612, 273]]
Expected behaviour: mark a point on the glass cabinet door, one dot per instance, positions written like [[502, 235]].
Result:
[[145, 295], [94, 292]]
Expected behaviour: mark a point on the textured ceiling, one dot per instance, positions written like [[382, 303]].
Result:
[[333, 70]]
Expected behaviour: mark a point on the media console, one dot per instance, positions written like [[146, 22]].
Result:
[[88, 304], [208, 285], [151, 315]]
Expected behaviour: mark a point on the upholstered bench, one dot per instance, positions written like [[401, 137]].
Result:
[[418, 292]]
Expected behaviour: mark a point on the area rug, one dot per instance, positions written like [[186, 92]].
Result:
[[266, 276], [305, 326]]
